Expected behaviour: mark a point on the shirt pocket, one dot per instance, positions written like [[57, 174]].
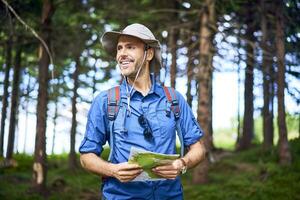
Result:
[[167, 123]]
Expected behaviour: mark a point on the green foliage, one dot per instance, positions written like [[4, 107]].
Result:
[[76, 30], [251, 174], [61, 182], [226, 137]]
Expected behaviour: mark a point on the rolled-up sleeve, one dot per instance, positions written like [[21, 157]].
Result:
[[96, 128], [191, 130]]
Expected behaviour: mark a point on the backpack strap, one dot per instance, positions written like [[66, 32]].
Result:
[[113, 105], [172, 104]]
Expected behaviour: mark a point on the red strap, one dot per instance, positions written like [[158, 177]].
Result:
[[168, 94], [117, 93], [173, 90], [172, 100]]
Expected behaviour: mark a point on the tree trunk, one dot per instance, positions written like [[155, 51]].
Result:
[[283, 145], [247, 135], [5, 92], [267, 83], [14, 104], [173, 51], [210, 122], [174, 33], [54, 125], [239, 89], [272, 95], [190, 65], [200, 173], [72, 155], [40, 158]]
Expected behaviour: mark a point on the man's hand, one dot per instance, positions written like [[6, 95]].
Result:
[[169, 171], [125, 172]]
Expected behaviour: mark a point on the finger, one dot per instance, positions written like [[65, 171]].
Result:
[[165, 168], [126, 177], [127, 166], [167, 173], [130, 172]]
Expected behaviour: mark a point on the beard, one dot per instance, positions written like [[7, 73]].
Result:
[[129, 67]]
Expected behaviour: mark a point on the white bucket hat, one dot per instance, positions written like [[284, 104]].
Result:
[[110, 39]]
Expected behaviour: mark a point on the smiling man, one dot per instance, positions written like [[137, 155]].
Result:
[[143, 114]]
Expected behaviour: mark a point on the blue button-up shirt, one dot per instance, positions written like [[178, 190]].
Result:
[[129, 133]]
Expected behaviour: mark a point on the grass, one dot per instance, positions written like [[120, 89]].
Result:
[[251, 174]]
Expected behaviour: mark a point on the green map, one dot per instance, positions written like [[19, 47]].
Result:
[[148, 160]]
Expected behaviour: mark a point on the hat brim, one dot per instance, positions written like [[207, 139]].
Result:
[[110, 39]]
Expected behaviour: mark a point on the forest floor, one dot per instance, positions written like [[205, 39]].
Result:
[[250, 174]]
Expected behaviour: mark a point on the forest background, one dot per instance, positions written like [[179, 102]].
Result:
[[236, 62]]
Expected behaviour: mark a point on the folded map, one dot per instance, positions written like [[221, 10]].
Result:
[[148, 160]]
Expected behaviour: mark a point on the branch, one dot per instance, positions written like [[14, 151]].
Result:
[[33, 32]]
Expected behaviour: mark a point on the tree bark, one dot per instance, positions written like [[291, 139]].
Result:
[[283, 145], [72, 155], [190, 66], [210, 107], [248, 123], [174, 33], [40, 157], [239, 96], [207, 19], [54, 125], [14, 104], [173, 51], [267, 82], [5, 92]]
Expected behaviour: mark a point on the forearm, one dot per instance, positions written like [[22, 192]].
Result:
[[96, 165], [195, 154], [124, 172]]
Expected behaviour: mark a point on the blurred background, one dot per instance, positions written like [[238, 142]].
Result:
[[236, 62]]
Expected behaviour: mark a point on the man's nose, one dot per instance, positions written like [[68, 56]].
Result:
[[122, 52]]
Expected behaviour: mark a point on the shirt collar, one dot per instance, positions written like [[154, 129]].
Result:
[[156, 88]]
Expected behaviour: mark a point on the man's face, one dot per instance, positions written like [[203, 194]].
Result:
[[130, 54]]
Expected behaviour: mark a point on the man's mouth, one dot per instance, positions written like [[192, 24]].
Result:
[[125, 63]]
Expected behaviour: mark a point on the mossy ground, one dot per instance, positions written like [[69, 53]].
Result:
[[251, 174]]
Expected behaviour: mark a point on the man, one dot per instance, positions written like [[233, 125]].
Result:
[[137, 51]]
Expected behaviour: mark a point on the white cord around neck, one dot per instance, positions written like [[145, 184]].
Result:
[[128, 93]]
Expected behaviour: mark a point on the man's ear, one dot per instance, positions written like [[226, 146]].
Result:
[[150, 54]]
